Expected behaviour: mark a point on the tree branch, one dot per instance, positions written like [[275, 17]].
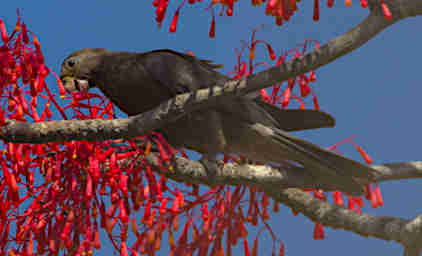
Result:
[[342, 45], [99, 129], [282, 186], [264, 176], [408, 233]]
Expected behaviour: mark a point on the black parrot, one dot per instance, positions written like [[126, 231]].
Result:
[[247, 126]]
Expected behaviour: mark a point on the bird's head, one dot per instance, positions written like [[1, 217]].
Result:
[[77, 69]]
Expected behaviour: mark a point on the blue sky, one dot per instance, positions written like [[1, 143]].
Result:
[[374, 92]]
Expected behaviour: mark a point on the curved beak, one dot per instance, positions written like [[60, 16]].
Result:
[[72, 84]]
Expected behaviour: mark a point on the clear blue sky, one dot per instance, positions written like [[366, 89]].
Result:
[[374, 92]]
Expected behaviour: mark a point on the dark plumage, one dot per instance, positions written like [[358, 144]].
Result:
[[138, 82]]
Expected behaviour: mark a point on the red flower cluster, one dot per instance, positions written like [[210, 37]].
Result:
[[278, 97], [281, 10]]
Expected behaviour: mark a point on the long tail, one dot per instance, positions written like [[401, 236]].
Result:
[[323, 163], [276, 145]]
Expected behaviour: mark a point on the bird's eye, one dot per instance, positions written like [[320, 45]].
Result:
[[71, 63]]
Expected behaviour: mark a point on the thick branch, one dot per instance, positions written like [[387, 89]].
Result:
[[405, 232], [342, 45], [279, 184], [98, 129], [264, 176], [329, 52]]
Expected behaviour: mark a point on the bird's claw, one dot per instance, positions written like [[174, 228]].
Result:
[[212, 169]]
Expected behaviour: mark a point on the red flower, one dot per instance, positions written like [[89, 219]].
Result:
[[173, 25]]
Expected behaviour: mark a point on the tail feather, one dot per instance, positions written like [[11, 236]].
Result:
[[297, 119], [327, 167], [334, 162], [263, 138]]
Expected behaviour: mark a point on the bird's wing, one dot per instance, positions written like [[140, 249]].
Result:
[[297, 119], [188, 57], [182, 73]]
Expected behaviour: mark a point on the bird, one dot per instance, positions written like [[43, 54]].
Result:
[[246, 125]]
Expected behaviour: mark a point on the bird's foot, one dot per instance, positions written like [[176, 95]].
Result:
[[212, 168], [245, 161]]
